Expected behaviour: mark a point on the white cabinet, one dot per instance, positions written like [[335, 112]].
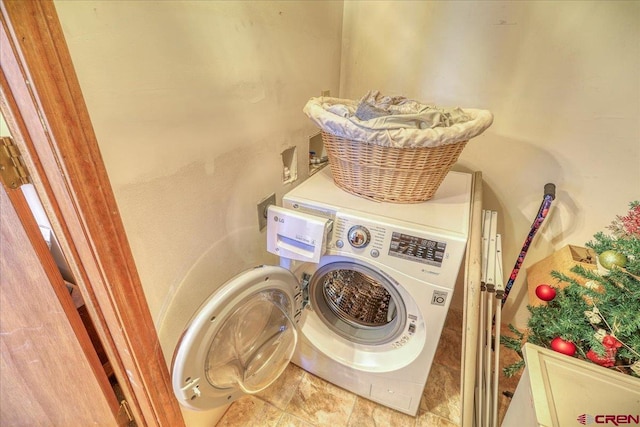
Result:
[[558, 390]]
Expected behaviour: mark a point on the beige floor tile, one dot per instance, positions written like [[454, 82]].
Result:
[[503, 405], [289, 420], [319, 402], [250, 411], [368, 413], [309, 401], [431, 420], [454, 319], [279, 394], [442, 394], [449, 348]]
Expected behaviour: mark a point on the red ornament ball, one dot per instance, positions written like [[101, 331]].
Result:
[[562, 346], [545, 292], [608, 360]]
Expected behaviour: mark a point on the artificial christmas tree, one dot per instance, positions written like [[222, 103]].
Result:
[[597, 318]]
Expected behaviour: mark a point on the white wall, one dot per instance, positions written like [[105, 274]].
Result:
[[562, 79], [192, 103]]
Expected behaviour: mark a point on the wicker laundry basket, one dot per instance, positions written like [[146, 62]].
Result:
[[393, 149], [389, 174]]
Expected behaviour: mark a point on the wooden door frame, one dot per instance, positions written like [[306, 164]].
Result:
[[43, 106]]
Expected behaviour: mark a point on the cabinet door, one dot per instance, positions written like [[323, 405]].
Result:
[[49, 371]]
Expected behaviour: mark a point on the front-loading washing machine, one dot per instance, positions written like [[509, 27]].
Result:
[[362, 306]]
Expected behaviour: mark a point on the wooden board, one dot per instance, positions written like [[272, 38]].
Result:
[[49, 372], [562, 261]]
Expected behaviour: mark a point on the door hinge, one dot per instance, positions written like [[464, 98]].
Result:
[[13, 171], [125, 411]]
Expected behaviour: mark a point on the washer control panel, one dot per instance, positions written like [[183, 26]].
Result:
[[420, 253], [417, 248], [374, 240], [428, 254]]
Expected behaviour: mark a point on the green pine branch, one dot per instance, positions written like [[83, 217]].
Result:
[[590, 301], [511, 343], [514, 368]]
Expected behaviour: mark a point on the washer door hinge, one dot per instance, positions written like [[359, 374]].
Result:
[[13, 171], [304, 284], [192, 389]]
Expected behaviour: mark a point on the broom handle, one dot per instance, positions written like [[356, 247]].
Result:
[[549, 196]]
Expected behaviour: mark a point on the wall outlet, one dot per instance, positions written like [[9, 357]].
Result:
[[325, 93], [262, 210]]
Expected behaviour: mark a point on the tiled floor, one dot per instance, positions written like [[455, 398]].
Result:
[[299, 399]]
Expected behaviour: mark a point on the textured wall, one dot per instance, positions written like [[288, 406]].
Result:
[[192, 103], [562, 81]]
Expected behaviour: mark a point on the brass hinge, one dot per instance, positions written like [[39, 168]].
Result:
[[125, 411], [13, 172]]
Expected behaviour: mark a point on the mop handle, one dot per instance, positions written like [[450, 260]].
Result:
[[549, 196]]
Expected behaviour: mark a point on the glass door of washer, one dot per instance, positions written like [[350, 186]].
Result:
[[239, 341]]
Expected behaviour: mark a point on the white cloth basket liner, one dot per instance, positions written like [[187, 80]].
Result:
[[344, 125]]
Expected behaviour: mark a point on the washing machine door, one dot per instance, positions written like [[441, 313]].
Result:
[[239, 341]]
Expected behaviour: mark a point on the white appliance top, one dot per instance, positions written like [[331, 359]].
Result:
[[448, 210]]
